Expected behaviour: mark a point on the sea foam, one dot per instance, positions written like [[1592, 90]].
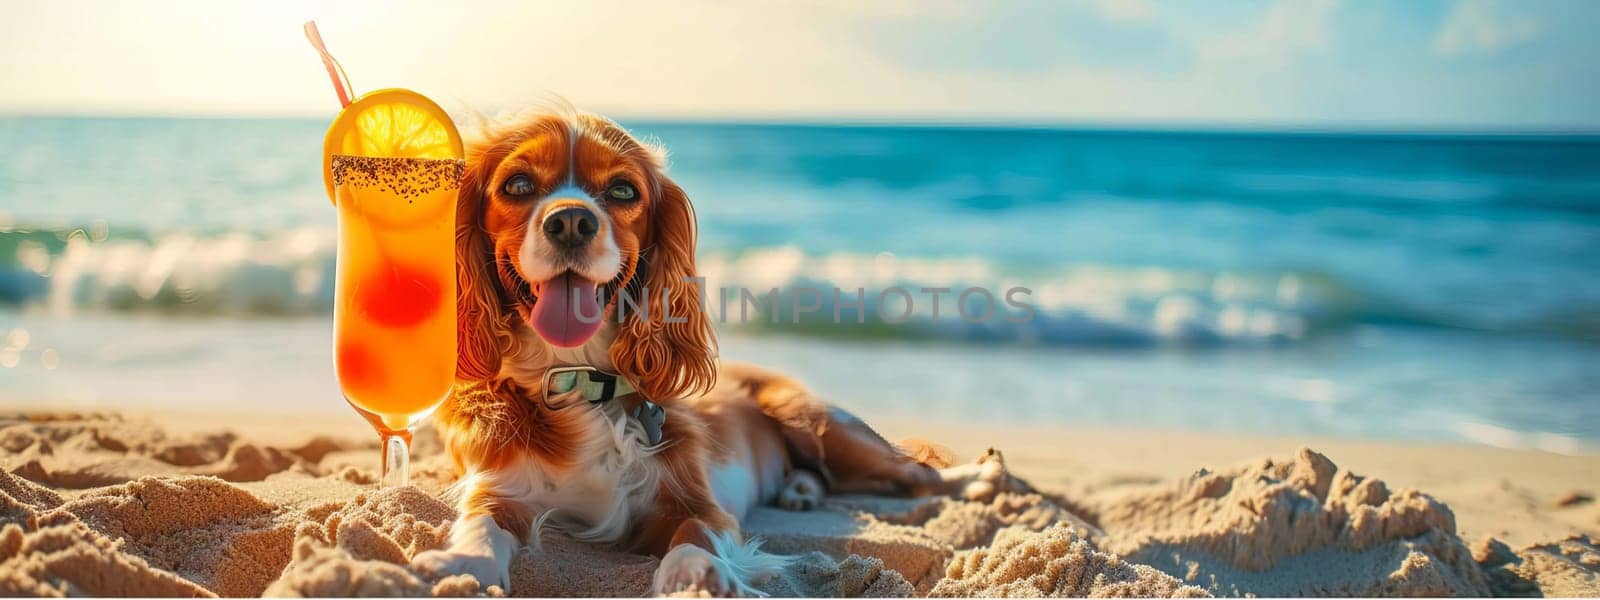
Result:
[[291, 273]]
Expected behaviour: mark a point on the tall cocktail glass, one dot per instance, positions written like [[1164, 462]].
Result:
[[395, 293]]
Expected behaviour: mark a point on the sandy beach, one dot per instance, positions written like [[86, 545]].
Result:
[[158, 504]]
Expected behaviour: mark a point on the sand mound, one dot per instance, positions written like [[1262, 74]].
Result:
[[1055, 562], [100, 505], [916, 537], [1300, 527], [71, 451], [1570, 567], [46, 550], [333, 572], [21, 500], [204, 529], [71, 560], [360, 548]]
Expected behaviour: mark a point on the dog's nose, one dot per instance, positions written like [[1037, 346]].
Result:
[[571, 227]]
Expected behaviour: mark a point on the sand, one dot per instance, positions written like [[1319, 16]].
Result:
[[104, 504]]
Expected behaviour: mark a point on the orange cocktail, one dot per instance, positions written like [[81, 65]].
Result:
[[392, 164], [395, 304]]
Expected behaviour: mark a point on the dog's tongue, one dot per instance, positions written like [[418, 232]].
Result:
[[561, 301]]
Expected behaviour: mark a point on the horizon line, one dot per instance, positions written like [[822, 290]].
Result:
[[954, 121]]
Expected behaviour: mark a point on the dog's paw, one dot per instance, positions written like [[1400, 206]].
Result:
[[991, 480], [688, 569], [440, 563], [803, 491]]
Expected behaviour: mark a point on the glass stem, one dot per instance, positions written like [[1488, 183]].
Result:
[[396, 459]]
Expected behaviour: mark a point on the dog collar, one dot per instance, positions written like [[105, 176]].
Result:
[[595, 387]]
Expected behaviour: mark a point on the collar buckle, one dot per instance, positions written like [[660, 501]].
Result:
[[593, 386]]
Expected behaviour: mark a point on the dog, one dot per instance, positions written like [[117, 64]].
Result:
[[618, 424]]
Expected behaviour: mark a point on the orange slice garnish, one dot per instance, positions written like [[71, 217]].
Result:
[[391, 123]]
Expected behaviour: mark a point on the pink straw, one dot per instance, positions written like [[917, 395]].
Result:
[[341, 82]]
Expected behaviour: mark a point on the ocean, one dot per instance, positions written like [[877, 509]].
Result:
[[1414, 287]]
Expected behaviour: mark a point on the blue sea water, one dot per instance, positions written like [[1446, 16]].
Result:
[[1397, 286]]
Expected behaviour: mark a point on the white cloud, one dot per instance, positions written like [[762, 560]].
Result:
[[1483, 27], [1285, 29]]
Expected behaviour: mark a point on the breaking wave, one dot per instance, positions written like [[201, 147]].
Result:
[[291, 273]]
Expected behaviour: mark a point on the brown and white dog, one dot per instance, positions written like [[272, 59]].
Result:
[[559, 211]]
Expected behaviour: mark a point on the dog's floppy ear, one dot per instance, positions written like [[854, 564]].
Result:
[[480, 306], [672, 354]]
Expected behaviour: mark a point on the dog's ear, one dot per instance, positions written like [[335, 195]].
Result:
[[481, 316], [672, 353]]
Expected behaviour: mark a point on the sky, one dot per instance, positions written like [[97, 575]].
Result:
[[1426, 64]]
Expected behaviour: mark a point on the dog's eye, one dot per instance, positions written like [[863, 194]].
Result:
[[519, 185], [622, 191]]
